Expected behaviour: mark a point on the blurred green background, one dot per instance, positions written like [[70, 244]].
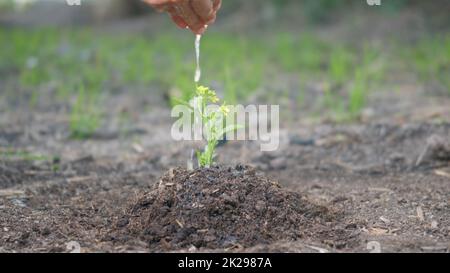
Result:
[[258, 51]]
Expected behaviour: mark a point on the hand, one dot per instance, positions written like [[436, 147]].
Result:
[[194, 14]]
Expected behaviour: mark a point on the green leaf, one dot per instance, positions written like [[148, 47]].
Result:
[[229, 128]]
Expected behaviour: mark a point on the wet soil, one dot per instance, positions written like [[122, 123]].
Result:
[[221, 208]]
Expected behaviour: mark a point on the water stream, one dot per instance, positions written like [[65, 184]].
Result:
[[198, 71]]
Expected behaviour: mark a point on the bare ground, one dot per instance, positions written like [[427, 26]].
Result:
[[386, 178]]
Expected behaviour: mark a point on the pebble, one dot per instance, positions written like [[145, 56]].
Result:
[[434, 224], [210, 238], [19, 203], [260, 205]]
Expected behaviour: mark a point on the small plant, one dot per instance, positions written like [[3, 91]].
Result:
[[84, 118], [358, 93], [211, 119], [340, 66], [430, 58]]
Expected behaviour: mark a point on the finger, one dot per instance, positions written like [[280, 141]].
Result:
[[216, 5], [211, 20], [200, 30], [203, 9], [185, 11], [160, 2], [161, 5], [178, 20]]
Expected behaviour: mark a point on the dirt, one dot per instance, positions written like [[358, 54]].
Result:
[[330, 187], [380, 183], [221, 208]]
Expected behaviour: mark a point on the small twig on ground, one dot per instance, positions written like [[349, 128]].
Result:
[[318, 249], [11, 193], [442, 173], [179, 223], [420, 214], [79, 179]]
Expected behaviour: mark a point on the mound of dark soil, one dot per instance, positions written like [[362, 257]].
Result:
[[219, 208]]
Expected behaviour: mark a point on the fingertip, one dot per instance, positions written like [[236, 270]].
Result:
[[213, 16], [178, 21], [203, 9], [199, 30], [216, 5], [211, 19]]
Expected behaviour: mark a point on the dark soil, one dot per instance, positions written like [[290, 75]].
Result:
[[383, 179], [220, 208], [343, 187]]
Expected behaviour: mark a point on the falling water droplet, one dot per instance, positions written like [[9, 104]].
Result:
[[198, 71]]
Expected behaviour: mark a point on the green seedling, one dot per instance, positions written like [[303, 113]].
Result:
[[340, 66], [431, 60], [84, 119], [357, 96], [212, 120], [11, 154]]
